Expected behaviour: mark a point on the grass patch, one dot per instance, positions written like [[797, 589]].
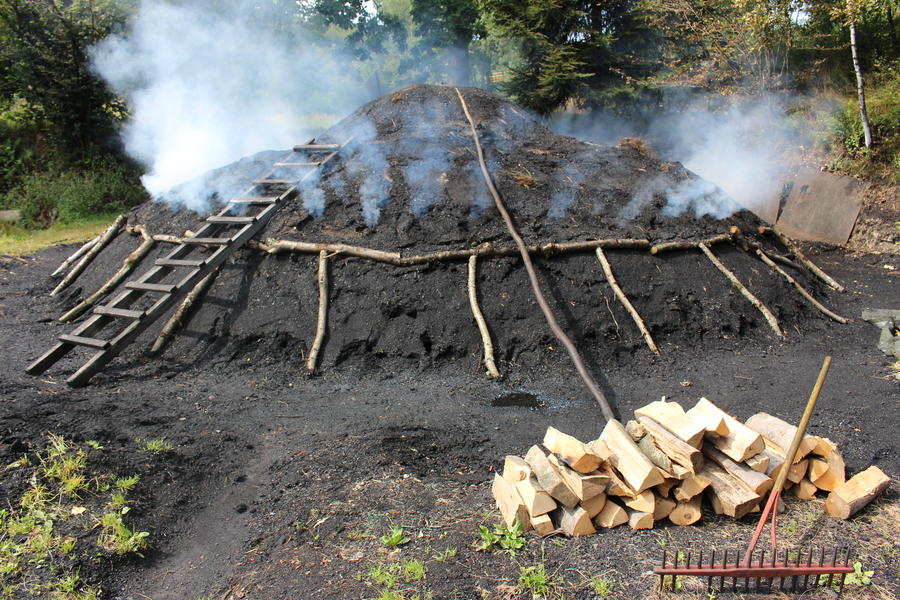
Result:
[[18, 241]]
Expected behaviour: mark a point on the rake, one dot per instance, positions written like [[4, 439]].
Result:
[[794, 571]]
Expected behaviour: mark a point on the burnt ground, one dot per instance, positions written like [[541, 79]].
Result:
[[279, 484]]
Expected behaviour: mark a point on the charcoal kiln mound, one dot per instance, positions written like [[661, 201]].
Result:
[[408, 183]]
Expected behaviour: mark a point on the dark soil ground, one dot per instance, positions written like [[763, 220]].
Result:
[[279, 484]]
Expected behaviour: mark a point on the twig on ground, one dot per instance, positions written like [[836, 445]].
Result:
[[489, 363], [322, 319]]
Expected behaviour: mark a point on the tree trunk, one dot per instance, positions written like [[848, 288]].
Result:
[[860, 87]]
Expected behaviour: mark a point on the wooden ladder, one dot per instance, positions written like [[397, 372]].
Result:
[[262, 199]]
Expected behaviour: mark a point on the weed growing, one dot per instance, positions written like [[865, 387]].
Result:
[[509, 539], [157, 446]]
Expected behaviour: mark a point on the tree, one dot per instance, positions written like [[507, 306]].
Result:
[[450, 25], [849, 14]]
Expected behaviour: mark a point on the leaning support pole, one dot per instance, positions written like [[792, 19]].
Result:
[[62, 268], [818, 305], [322, 319], [489, 363], [106, 238], [178, 317], [623, 299], [128, 265], [798, 254], [535, 285], [770, 318]]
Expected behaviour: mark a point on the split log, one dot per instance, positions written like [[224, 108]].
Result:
[[594, 505], [805, 489], [687, 512], [759, 462], [736, 499], [836, 472], [689, 244], [663, 508], [809, 297], [639, 520], [656, 456], [92, 253], [678, 450], [741, 442], [643, 502], [563, 338], [781, 433], [624, 301], [573, 521], [536, 500], [509, 502], [616, 486], [62, 268], [128, 265], [612, 515], [180, 315], [848, 498], [489, 363], [821, 475], [691, 487], [515, 469], [665, 488], [756, 481], [575, 453], [635, 430], [671, 416], [584, 485], [740, 287], [798, 470], [793, 249], [627, 458], [542, 525], [549, 478], [322, 317]]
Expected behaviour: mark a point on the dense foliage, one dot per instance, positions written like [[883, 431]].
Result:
[[59, 122]]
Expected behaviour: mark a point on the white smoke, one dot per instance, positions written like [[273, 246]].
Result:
[[209, 82]]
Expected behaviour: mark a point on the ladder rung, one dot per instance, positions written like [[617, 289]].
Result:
[[84, 341], [275, 181], [206, 240], [119, 312], [316, 147], [237, 220], [254, 200], [178, 262], [165, 288], [297, 164]]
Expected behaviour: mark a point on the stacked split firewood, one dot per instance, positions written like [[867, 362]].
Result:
[[662, 464]]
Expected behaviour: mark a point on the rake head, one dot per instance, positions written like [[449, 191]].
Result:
[[794, 570]]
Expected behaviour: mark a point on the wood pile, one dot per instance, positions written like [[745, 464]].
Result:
[[663, 464]]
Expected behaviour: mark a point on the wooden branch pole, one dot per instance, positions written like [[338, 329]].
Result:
[[92, 253], [798, 254], [526, 259], [770, 318], [178, 317], [818, 305], [128, 265], [689, 244], [489, 363], [72, 258], [623, 299], [322, 319]]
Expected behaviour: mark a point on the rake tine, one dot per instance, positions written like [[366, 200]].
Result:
[[762, 557], [783, 578], [722, 577], [821, 562], [844, 575], [808, 563], [712, 563], [662, 576], [833, 562], [772, 579], [734, 580]]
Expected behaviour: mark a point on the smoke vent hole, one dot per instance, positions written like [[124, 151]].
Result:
[[517, 398]]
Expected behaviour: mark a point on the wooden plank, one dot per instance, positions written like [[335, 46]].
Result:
[[573, 451], [627, 458], [228, 219], [206, 241], [680, 451], [179, 262], [737, 499], [781, 433], [573, 521], [612, 515], [79, 340], [549, 478], [585, 485], [536, 500], [671, 416], [509, 502], [687, 512], [760, 483], [858, 491], [741, 442], [125, 313], [164, 288]]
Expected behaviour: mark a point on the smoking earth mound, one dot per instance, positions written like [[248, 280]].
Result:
[[409, 182]]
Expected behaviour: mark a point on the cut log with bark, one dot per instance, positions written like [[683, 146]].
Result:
[[64, 266], [671, 416], [656, 456], [741, 442], [635, 430], [639, 520], [691, 487], [760, 483], [803, 292], [636, 469], [178, 318], [322, 315], [489, 363], [675, 448], [575, 453], [92, 253], [515, 468], [612, 515], [573, 521], [687, 512], [624, 301], [549, 478], [736, 499], [663, 508], [594, 505], [536, 500], [584, 485], [781, 433], [509, 502], [854, 494], [798, 254]]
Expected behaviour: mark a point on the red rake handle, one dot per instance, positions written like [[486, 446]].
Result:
[[772, 504]]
